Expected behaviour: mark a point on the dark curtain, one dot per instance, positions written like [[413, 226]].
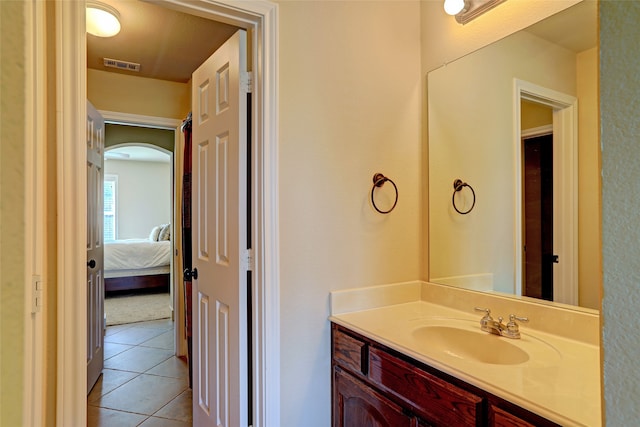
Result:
[[186, 236]]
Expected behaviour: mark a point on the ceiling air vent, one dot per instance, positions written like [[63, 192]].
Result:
[[121, 65]]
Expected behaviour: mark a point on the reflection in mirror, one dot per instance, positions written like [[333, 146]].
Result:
[[517, 121]]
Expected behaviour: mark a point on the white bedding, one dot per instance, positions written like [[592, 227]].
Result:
[[136, 254]]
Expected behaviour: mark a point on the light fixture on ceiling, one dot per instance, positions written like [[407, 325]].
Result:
[[102, 19], [454, 7], [466, 10]]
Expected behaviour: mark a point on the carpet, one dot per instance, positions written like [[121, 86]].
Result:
[[123, 309]]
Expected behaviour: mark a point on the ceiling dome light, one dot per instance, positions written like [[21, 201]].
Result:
[[454, 7], [102, 20]]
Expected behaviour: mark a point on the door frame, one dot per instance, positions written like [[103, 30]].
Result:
[[261, 18], [177, 298], [36, 213], [565, 177]]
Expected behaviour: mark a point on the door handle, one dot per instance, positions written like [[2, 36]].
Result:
[[91, 264], [188, 275]]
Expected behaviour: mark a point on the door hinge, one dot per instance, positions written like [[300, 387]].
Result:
[[248, 260], [36, 302], [246, 81]]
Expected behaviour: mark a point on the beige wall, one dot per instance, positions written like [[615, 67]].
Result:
[[534, 115], [138, 95], [349, 107], [620, 127], [12, 211], [144, 196]]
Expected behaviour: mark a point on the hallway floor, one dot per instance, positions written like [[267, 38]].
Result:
[[143, 383]]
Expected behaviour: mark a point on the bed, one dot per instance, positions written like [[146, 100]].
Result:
[[136, 264]]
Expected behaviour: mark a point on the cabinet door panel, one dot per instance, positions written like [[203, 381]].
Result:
[[357, 405]]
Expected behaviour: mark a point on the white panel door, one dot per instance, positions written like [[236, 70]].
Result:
[[95, 250], [219, 238]]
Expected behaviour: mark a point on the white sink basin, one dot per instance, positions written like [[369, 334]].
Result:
[[464, 340], [465, 344]]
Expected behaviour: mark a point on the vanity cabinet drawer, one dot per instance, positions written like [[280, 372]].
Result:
[[515, 416], [430, 397], [500, 418], [349, 352]]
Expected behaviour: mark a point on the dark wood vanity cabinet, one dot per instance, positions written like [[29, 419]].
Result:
[[374, 386], [357, 405]]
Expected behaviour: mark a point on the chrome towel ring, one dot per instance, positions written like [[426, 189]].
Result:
[[378, 181], [458, 185]]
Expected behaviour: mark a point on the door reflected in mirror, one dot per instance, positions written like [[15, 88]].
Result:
[[538, 207], [518, 121]]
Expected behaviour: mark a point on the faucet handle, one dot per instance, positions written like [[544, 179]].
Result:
[[487, 312], [513, 318], [512, 330]]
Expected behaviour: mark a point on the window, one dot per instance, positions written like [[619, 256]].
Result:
[[110, 196]]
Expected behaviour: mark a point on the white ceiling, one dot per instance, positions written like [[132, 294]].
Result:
[[168, 44]]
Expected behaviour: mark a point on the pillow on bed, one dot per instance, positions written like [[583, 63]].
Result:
[[165, 232], [155, 232]]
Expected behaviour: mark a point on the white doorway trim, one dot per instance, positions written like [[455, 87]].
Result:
[[539, 131], [36, 280], [261, 17], [177, 297], [139, 120], [565, 197]]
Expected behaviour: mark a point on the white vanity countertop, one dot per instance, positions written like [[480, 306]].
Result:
[[563, 387]]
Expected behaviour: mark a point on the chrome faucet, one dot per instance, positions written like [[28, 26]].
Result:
[[488, 324], [496, 327]]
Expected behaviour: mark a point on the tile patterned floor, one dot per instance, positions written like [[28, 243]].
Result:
[[142, 383]]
